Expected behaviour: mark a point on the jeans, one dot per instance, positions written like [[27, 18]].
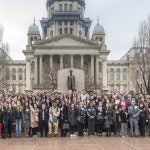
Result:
[[134, 125], [18, 127], [91, 126], [123, 129]]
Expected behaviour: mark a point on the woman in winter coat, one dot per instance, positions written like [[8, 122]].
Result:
[[100, 114], [108, 119]]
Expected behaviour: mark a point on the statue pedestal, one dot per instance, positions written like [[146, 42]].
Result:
[[62, 83]]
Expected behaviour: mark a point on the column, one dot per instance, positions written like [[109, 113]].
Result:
[[36, 71], [71, 61], [51, 61], [92, 68], [41, 70], [104, 74], [28, 75], [82, 62], [97, 70], [61, 62]]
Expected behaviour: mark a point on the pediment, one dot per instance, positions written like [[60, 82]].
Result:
[[66, 41]]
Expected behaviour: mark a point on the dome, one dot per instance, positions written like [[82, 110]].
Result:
[[98, 29], [33, 29]]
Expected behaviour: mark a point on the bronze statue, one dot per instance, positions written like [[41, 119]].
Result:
[[71, 81]]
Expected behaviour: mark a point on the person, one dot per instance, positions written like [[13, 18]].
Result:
[[18, 119], [64, 117], [81, 113], [26, 119], [5, 120], [134, 112], [108, 119], [72, 119], [43, 116], [148, 113], [1, 120], [123, 119], [34, 120], [142, 119], [54, 113], [10, 119], [91, 113], [100, 116], [116, 120]]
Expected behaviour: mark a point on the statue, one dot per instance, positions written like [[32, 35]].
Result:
[[71, 81]]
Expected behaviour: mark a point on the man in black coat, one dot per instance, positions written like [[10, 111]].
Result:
[[43, 120]]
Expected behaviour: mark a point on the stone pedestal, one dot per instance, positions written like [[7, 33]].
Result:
[[63, 77]]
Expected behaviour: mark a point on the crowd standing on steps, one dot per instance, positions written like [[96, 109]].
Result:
[[92, 113]]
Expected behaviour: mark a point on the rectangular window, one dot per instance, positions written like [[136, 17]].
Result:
[[60, 7], [71, 31], [66, 30]]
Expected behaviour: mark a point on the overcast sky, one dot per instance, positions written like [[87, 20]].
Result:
[[120, 18]]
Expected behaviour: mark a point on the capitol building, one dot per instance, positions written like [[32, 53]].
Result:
[[65, 44]]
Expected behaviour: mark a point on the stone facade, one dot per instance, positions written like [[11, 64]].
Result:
[[65, 44]]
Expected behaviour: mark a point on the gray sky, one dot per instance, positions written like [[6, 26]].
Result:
[[120, 18]]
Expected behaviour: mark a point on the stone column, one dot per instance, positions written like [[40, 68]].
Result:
[[61, 62], [97, 70], [36, 71], [92, 68], [41, 69], [28, 74], [71, 61], [104, 74], [51, 61], [82, 62]]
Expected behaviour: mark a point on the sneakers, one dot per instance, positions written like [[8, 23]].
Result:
[[73, 135]]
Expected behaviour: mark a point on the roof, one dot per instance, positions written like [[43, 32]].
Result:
[[33, 29], [98, 29]]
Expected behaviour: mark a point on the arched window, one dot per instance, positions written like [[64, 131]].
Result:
[[60, 7], [20, 74], [51, 33], [13, 74], [111, 74], [70, 7], [118, 74], [124, 74], [60, 31], [66, 7], [71, 31], [66, 30]]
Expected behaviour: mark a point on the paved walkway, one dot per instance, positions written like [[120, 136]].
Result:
[[85, 143]]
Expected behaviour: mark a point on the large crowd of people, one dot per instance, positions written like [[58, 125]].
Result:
[[53, 114]]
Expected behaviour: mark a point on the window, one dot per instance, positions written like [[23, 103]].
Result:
[[51, 34], [118, 74], [66, 30], [71, 31], [52, 9], [101, 39], [20, 88], [111, 74], [71, 23], [60, 23], [66, 23], [111, 88], [124, 87], [66, 7], [14, 88], [60, 31], [13, 74], [60, 7], [20, 74], [79, 10], [118, 88], [80, 33], [124, 75], [70, 7]]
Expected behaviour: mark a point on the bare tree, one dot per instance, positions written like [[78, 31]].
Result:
[[4, 58], [141, 58], [49, 78]]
